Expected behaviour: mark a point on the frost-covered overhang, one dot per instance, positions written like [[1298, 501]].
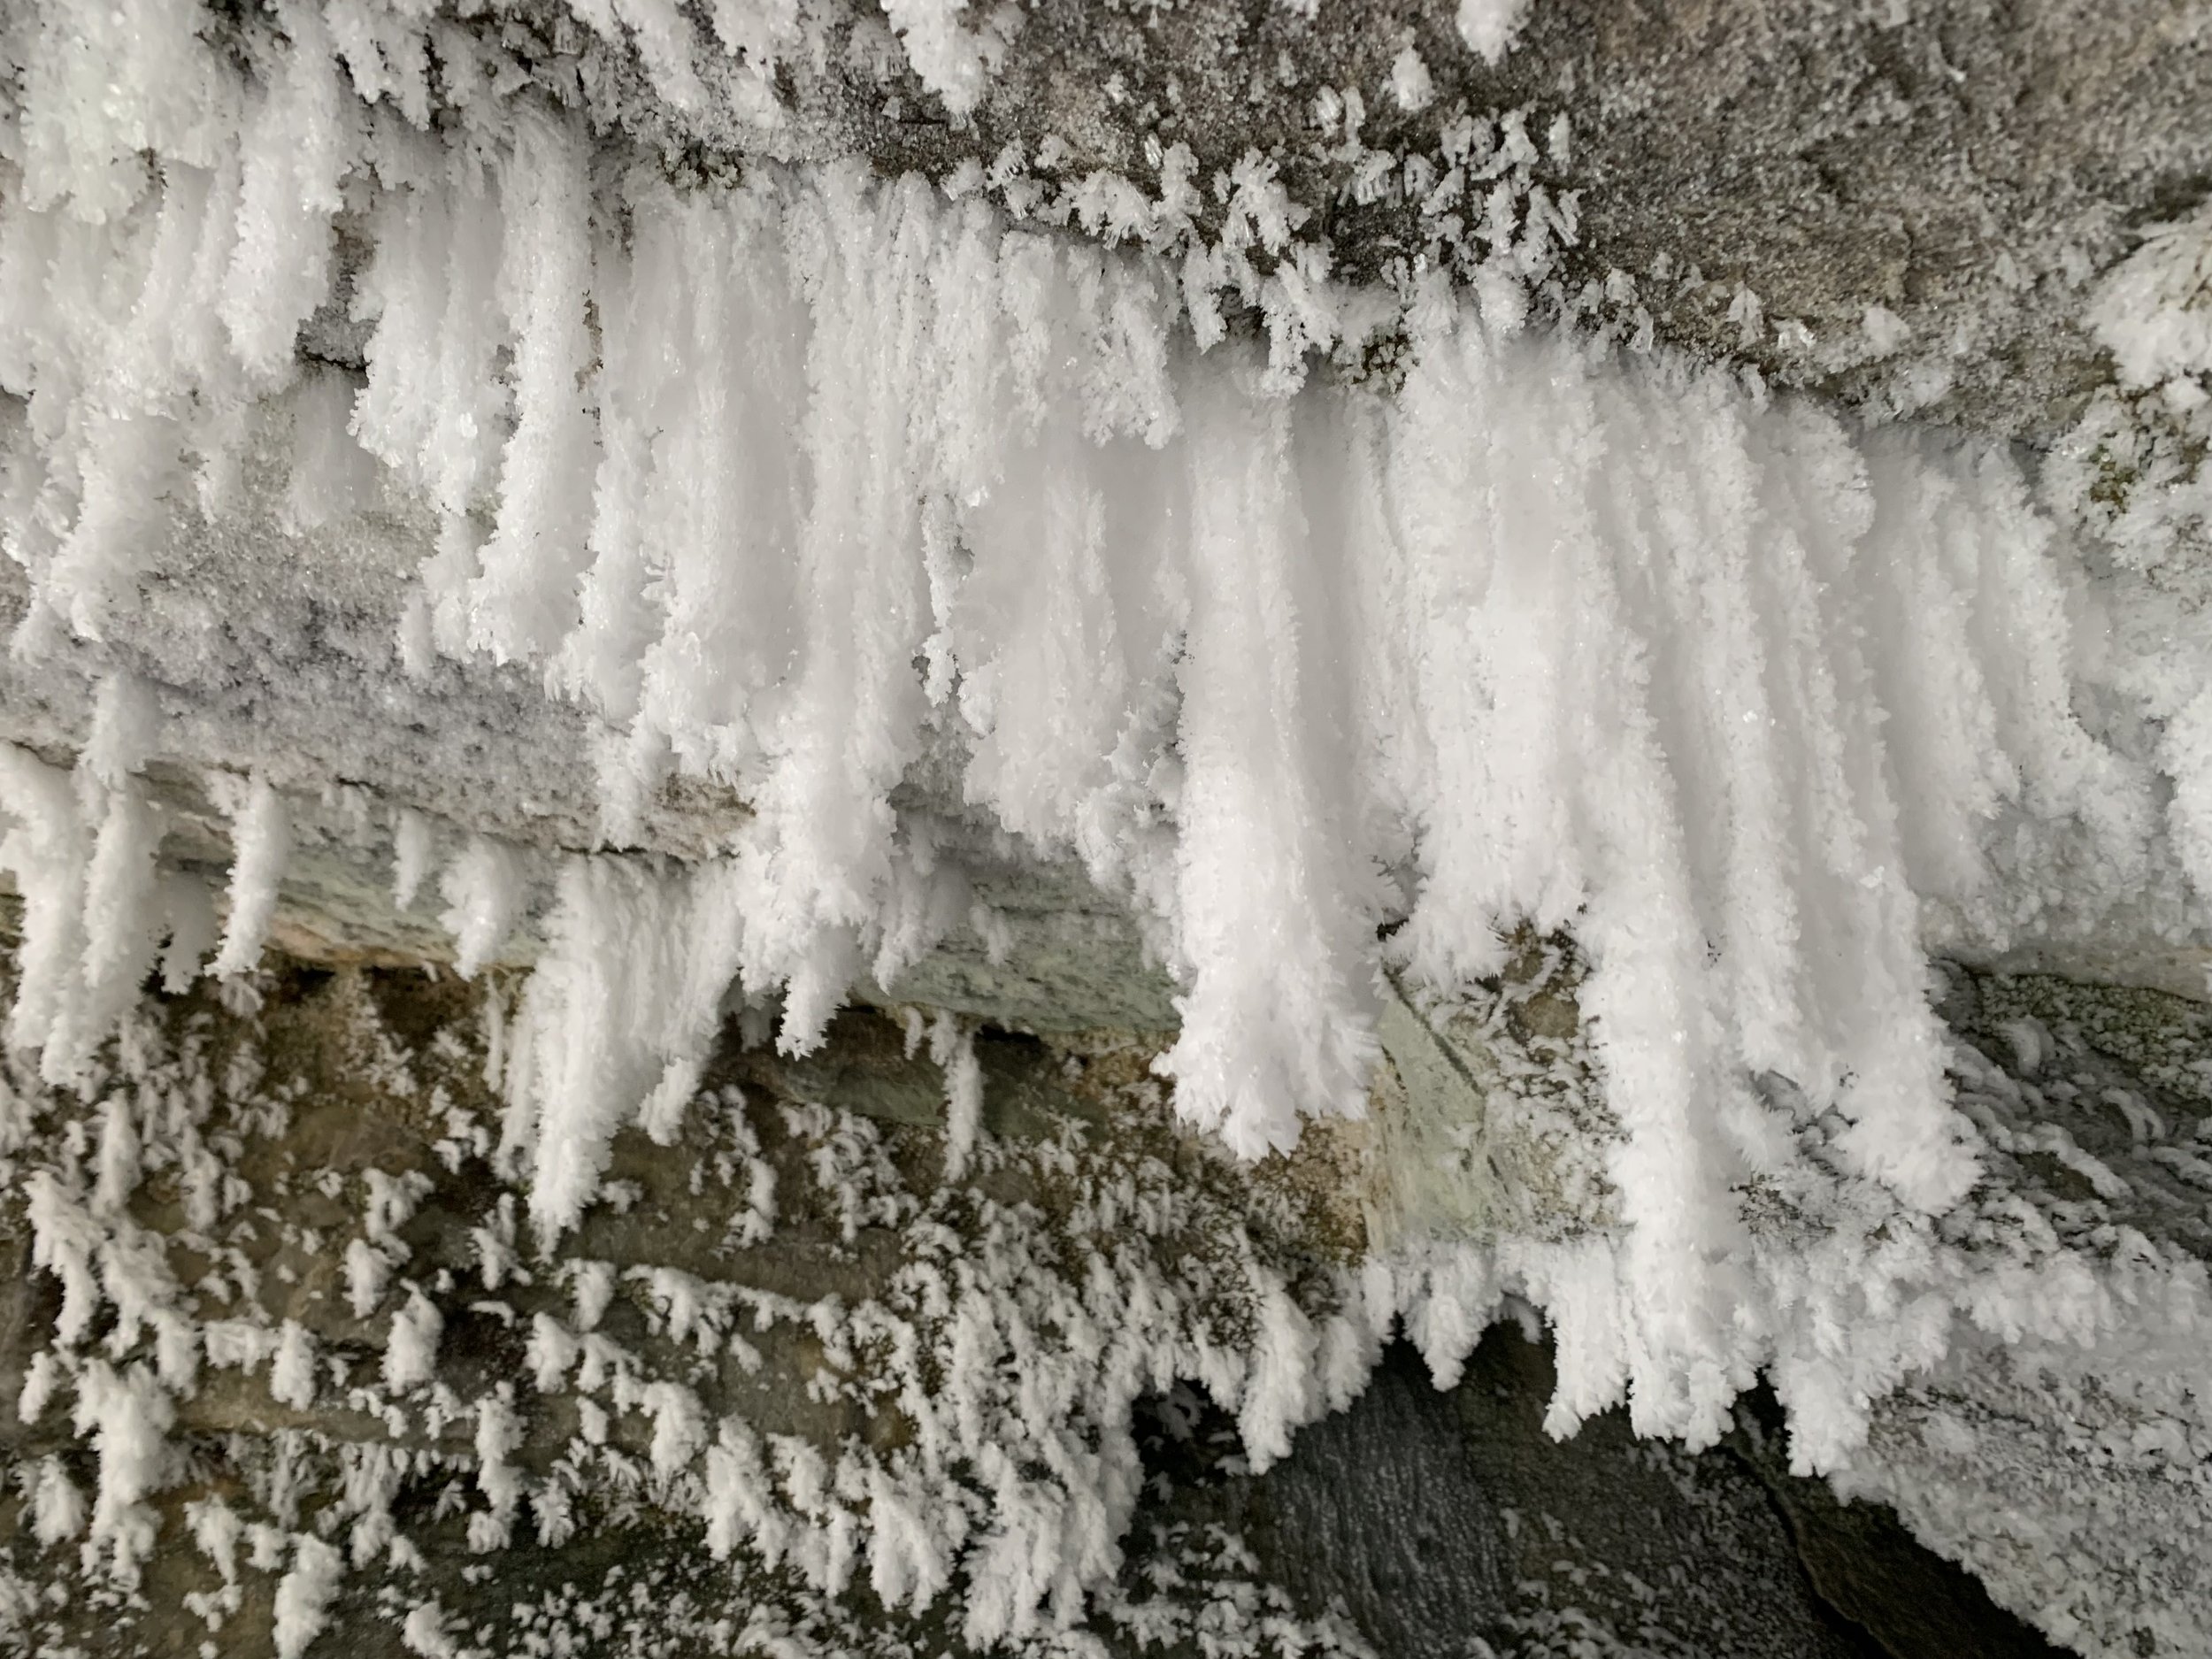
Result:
[[532, 515], [1775, 153], [1295, 608]]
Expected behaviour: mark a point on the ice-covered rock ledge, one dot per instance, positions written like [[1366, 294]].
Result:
[[680, 587], [280, 1329]]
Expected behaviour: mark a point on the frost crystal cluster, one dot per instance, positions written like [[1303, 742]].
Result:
[[1351, 637]]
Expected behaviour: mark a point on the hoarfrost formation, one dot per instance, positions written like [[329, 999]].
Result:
[[1347, 633]]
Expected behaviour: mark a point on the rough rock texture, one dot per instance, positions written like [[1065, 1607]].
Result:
[[1530, 1542]]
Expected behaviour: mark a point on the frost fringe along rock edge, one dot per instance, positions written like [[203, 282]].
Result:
[[1344, 632]]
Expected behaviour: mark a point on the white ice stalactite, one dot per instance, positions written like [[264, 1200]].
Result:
[[851, 722], [261, 829], [621, 998], [83, 857], [485, 889], [523, 602], [104, 90], [413, 843], [122, 917], [125, 731], [296, 147], [952, 1049], [1329, 676], [44, 852], [1276, 892], [123, 908]]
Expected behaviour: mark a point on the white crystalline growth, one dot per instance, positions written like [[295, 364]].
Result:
[[1411, 86], [954, 1050], [126, 1416], [2153, 313], [1491, 26], [484, 889], [303, 1596], [81, 854], [1541, 636], [262, 837], [292, 1367], [953, 59], [410, 1351], [781, 476]]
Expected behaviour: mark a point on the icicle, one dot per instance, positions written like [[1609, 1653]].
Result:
[[484, 891], [525, 600], [411, 851], [1275, 907], [1739, 699], [642, 307], [465, 419], [261, 832], [125, 723], [45, 853], [297, 145], [132, 468], [121, 926], [818, 855], [953, 1048], [727, 505], [104, 88], [619, 1002], [400, 291], [1728, 815]]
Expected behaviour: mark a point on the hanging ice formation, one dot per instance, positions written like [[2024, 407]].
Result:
[[773, 476]]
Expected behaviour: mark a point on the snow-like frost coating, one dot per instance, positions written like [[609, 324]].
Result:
[[2153, 313], [1348, 656], [1490, 27]]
